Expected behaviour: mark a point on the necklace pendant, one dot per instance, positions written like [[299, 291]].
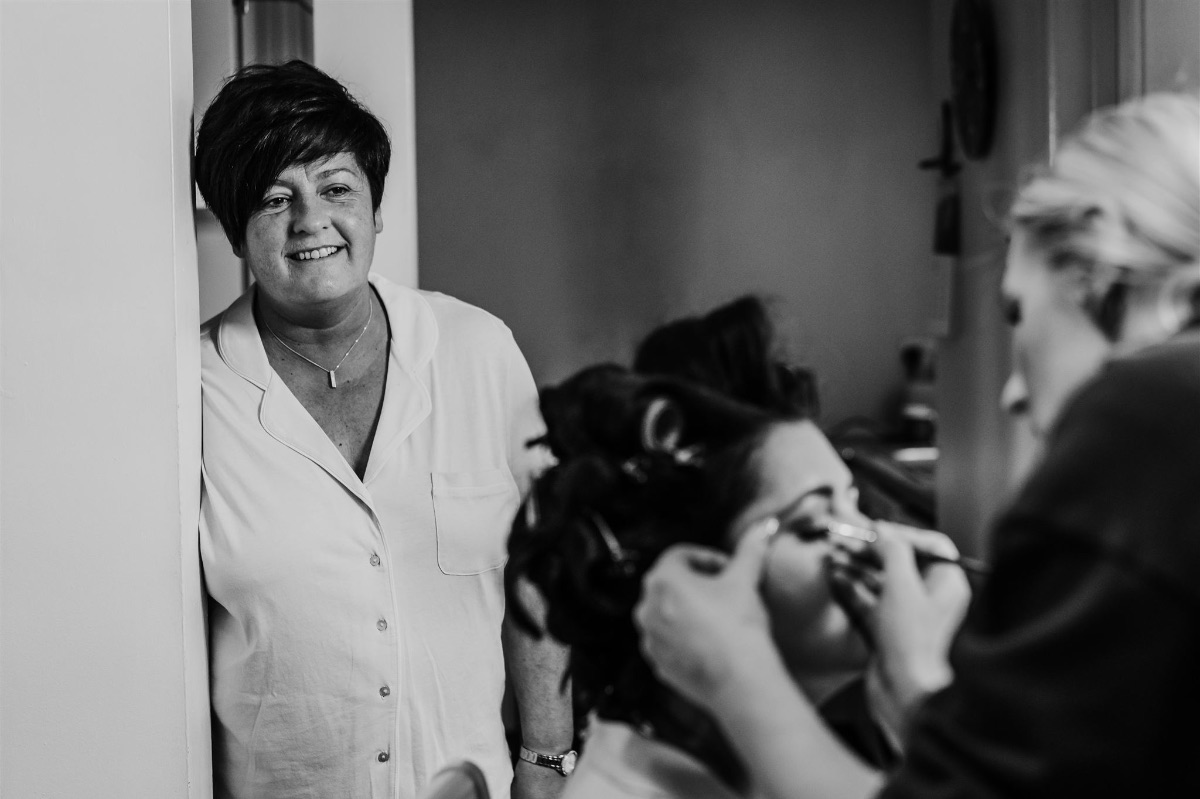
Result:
[[332, 379]]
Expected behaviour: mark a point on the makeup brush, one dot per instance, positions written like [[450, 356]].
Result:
[[865, 535]]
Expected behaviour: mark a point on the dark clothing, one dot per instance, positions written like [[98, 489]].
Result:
[[1077, 671], [849, 716]]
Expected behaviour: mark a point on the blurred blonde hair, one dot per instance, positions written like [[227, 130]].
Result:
[[1122, 196]]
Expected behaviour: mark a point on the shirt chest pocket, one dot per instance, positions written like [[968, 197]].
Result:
[[473, 513]]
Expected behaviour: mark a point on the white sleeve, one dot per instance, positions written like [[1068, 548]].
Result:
[[524, 419]]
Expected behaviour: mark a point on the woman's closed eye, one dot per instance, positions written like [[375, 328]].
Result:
[[806, 529]]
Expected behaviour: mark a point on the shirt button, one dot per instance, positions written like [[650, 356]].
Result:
[[385, 691], [374, 560], [381, 624], [382, 757]]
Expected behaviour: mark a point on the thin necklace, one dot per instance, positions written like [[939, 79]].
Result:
[[332, 376]]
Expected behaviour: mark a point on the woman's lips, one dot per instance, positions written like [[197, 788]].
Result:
[[314, 254]]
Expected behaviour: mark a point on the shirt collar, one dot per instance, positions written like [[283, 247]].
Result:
[[407, 402], [414, 332]]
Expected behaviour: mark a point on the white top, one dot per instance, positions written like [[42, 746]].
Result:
[[617, 763], [354, 625]]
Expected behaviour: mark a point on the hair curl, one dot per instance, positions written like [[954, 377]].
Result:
[[642, 463], [267, 118], [731, 349]]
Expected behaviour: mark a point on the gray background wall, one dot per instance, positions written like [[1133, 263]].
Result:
[[586, 170]]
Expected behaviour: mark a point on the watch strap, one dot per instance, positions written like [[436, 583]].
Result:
[[564, 764]]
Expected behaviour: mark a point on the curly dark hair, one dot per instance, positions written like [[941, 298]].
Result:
[[731, 349], [642, 463], [267, 118]]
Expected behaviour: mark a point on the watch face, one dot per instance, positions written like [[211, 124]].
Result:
[[568, 763]]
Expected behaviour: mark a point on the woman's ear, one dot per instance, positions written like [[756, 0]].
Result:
[[1102, 294], [1178, 300]]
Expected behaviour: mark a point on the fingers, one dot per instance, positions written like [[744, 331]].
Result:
[[898, 557], [945, 583], [749, 555], [852, 567], [948, 586], [698, 609], [856, 600], [930, 541], [894, 547], [744, 566], [675, 572], [654, 610]]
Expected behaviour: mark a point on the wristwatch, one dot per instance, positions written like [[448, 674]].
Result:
[[564, 764]]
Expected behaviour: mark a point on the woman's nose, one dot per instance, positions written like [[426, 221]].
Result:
[[309, 217], [1015, 397], [851, 514]]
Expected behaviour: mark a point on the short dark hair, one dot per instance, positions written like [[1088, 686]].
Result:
[[267, 118]]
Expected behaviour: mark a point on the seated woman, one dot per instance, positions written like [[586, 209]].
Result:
[[733, 349], [644, 463]]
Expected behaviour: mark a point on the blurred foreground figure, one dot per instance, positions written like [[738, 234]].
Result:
[[1074, 672]]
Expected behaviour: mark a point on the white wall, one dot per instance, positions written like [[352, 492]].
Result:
[[368, 45], [100, 615], [214, 57]]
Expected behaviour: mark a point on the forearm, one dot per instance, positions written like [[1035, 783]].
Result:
[[782, 740], [537, 668]]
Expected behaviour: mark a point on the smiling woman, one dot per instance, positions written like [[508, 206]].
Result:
[[310, 243], [363, 451]]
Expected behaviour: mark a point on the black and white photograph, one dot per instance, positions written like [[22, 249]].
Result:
[[599, 399]]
